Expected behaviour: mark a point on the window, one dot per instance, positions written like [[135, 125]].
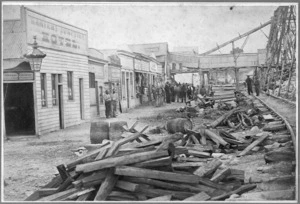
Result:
[[123, 85], [92, 80], [131, 84], [180, 65], [43, 90], [70, 85], [54, 89]]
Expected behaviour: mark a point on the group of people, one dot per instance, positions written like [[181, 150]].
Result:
[[111, 103], [250, 83], [176, 92]]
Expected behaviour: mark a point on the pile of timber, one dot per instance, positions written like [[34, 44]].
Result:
[[171, 168]]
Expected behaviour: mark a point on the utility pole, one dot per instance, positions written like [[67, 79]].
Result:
[[236, 70]]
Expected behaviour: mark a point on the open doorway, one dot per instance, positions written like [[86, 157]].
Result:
[[19, 109]]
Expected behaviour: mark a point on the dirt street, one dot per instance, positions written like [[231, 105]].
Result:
[[31, 163]]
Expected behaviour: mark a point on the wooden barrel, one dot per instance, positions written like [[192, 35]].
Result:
[[116, 130], [178, 125], [99, 131]]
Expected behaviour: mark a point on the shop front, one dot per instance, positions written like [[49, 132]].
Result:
[[18, 92], [60, 88]]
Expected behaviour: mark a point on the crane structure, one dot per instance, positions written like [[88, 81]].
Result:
[[281, 50]]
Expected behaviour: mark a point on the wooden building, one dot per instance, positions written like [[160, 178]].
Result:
[[98, 75], [57, 96]]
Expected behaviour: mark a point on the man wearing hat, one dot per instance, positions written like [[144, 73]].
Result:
[[107, 100], [114, 103], [249, 83]]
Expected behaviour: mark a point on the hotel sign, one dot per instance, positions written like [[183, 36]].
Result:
[[54, 34]]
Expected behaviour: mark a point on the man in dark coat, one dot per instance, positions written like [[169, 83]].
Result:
[[257, 86], [249, 83], [167, 91], [183, 92]]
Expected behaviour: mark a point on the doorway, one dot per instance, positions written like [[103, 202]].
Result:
[[19, 109], [60, 107], [81, 98], [128, 94], [97, 97]]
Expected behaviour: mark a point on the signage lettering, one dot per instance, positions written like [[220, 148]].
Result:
[[14, 76], [55, 34]]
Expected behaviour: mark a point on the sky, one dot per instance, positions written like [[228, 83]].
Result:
[[110, 25]]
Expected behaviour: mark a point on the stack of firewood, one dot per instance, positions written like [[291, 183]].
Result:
[[164, 169]]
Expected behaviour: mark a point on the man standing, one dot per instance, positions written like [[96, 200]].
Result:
[[114, 103], [257, 86], [249, 83], [107, 100], [167, 92]]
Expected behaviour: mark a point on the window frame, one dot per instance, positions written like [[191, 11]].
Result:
[[55, 88], [43, 78], [70, 83]]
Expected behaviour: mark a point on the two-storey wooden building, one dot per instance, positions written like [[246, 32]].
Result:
[[57, 96]]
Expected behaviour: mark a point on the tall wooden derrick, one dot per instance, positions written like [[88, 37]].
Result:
[[281, 49]]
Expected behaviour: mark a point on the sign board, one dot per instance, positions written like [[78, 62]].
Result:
[[153, 67], [54, 34], [137, 64], [18, 76]]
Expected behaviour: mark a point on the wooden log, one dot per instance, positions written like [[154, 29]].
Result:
[[213, 136], [147, 173], [118, 161], [59, 195], [198, 197], [275, 127], [47, 191], [128, 186], [99, 175], [161, 198], [208, 168], [80, 193], [166, 185], [253, 144], [165, 161], [150, 143], [239, 191], [195, 140], [65, 184], [193, 159], [121, 196], [131, 129], [87, 158], [199, 154], [54, 183], [63, 172], [221, 175], [187, 164], [236, 174], [107, 186], [223, 117], [116, 145], [102, 154], [160, 192], [84, 197]]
